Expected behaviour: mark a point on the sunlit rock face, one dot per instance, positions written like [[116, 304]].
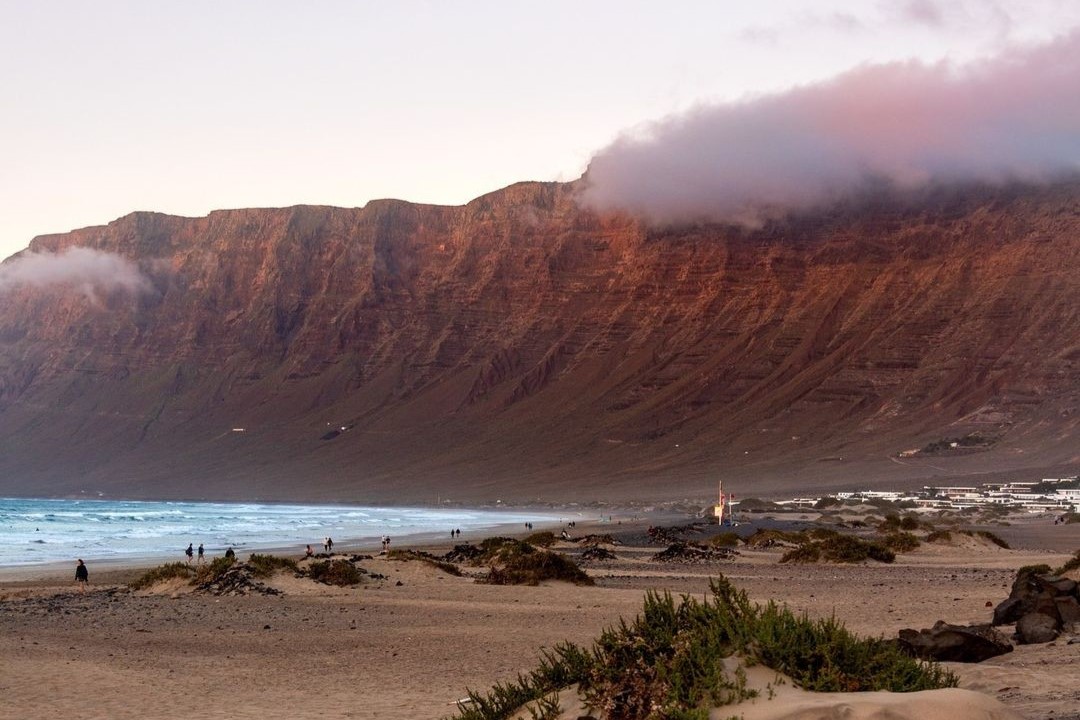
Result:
[[523, 348]]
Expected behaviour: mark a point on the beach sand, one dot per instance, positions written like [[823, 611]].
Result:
[[409, 645]]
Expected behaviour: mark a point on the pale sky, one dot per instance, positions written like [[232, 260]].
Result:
[[187, 107]]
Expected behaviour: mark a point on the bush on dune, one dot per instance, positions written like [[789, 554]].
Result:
[[334, 572], [667, 663], [544, 538], [263, 566], [536, 567], [839, 549], [168, 571]]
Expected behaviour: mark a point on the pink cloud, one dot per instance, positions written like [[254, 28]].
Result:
[[1015, 117]]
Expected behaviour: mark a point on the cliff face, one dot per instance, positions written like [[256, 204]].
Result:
[[521, 348]]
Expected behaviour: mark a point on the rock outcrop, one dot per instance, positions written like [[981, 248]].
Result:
[[521, 347], [954, 643], [1041, 605]]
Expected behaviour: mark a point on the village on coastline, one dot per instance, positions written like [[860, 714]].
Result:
[[1048, 495]]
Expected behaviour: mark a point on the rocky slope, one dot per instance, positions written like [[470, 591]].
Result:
[[521, 348]]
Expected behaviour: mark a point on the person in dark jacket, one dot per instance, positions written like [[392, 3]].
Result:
[[82, 576]]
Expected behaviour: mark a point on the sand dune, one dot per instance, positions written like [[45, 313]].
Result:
[[408, 646]]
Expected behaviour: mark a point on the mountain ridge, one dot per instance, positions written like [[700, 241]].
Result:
[[520, 347]]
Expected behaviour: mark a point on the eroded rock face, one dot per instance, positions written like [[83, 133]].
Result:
[[1041, 605], [1037, 627], [519, 342], [954, 643]]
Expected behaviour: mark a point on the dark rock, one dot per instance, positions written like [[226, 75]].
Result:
[[954, 643], [1068, 609], [1008, 611], [1036, 628]]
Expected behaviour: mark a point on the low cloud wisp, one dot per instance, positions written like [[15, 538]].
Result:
[[1014, 117], [86, 269]]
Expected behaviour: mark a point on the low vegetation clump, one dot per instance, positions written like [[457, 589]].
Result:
[[535, 567], [893, 522], [544, 538], [939, 536], [263, 566], [668, 662], [603, 539], [901, 542], [725, 539], [428, 558], [1072, 518], [168, 571], [335, 572], [840, 549], [768, 537], [213, 571], [1072, 563], [827, 502]]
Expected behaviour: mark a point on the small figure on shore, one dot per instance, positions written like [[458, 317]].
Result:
[[230, 554], [309, 552], [459, 532], [202, 554], [385, 542], [326, 544], [82, 576], [190, 552], [329, 544]]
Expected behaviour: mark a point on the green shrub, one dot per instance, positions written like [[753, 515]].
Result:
[[334, 572], [535, 567], [839, 549], [263, 566], [213, 571], [901, 541], [165, 572], [667, 662], [544, 539]]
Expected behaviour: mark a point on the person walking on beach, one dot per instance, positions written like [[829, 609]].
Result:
[[329, 544], [309, 552], [326, 544], [201, 553], [190, 552], [82, 576]]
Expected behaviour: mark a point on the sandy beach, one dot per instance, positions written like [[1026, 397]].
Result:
[[409, 644]]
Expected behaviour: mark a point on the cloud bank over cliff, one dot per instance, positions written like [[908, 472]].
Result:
[[85, 269], [1012, 117]]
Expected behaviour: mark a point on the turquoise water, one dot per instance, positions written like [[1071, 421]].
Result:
[[34, 531]]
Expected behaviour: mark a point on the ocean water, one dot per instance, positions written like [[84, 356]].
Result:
[[36, 531]]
